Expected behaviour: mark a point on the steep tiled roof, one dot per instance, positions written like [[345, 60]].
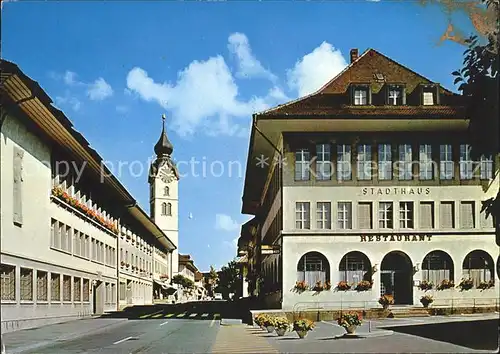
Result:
[[332, 98]]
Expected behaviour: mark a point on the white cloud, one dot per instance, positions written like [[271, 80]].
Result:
[[315, 69], [233, 244], [226, 223], [70, 78], [121, 109], [67, 99], [205, 97], [99, 90], [248, 65]]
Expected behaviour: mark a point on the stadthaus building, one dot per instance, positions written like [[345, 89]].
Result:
[[366, 188]]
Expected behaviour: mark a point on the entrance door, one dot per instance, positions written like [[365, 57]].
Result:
[[396, 277], [94, 298]]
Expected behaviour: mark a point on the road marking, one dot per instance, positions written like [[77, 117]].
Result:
[[193, 315], [204, 315], [216, 316], [169, 315], [150, 314], [158, 315], [164, 323], [123, 340], [181, 315], [331, 324]]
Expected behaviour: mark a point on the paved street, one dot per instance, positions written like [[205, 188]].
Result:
[[195, 328]]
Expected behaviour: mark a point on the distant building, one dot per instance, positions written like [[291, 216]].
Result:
[[74, 242], [372, 185]]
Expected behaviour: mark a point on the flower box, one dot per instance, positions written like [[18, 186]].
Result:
[[318, 287], [466, 284], [486, 285], [425, 285], [446, 284], [343, 286], [301, 286], [364, 285]]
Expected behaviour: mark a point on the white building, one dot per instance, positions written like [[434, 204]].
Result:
[[74, 242], [377, 184]]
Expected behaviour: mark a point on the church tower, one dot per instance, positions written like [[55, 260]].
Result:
[[164, 193]]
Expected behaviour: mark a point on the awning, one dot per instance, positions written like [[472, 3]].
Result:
[[167, 287]]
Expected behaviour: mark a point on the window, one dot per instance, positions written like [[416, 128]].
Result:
[[447, 215], [76, 242], [446, 162], [395, 95], [42, 285], [361, 96], [425, 156], [66, 288], [430, 95], [55, 287], [364, 162], [17, 186], [467, 215], [122, 290], [163, 208], [8, 286], [385, 215], [26, 284], [406, 215], [355, 267], [426, 215], [343, 162], [384, 162], [166, 191], [478, 266], [302, 163], [313, 267], [302, 215], [365, 215], [486, 165], [324, 215], [405, 159], [77, 288], [323, 162], [344, 215], [54, 234], [436, 267], [466, 163], [86, 290], [428, 98]]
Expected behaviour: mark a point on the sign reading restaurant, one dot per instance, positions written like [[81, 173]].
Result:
[[395, 191], [386, 238]]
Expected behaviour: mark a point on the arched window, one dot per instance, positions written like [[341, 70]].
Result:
[[169, 209], [163, 208], [354, 267], [166, 191], [436, 267], [313, 267], [478, 266]]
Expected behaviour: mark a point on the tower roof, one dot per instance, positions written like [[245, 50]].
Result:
[[163, 146]]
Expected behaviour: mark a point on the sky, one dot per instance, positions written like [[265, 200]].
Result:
[[115, 67]]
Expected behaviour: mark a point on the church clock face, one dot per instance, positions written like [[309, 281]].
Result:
[[166, 175]]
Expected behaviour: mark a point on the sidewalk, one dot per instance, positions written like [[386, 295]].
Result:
[[240, 339], [30, 339]]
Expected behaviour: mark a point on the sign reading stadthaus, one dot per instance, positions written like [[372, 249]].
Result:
[[395, 191], [390, 238]]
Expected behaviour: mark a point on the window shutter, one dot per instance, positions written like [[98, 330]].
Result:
[[17, 187], [369, 98], [437, 95], [447, 215], [403, 94], [427, 215], [486, 222], [365, 215], [467, 215]]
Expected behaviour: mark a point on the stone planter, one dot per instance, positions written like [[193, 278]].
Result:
[[280, 332], [270, 329], [385, 307], [351, 329], [302, 334]]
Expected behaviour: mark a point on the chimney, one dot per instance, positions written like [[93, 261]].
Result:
[[354, 54]]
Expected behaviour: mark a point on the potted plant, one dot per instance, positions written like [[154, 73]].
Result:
[[486, 285], [425, 285], [466, 284], [259, 320], [349, 321], [302, 327], [386, 300], [122, 263], [269, 322], [445, 284], [318, 286], [300, 286], [327, 285], [364, 285], [426, 300], [343, 286], [281, 325]]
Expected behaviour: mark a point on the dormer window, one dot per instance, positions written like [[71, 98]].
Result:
[[361, 95], [430, 95], [395, 95]]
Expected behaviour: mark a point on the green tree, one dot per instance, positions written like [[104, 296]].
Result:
[[211, 281], [229, 280], [478, 81]]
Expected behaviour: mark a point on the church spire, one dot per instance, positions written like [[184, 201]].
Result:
[[163, 147]]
